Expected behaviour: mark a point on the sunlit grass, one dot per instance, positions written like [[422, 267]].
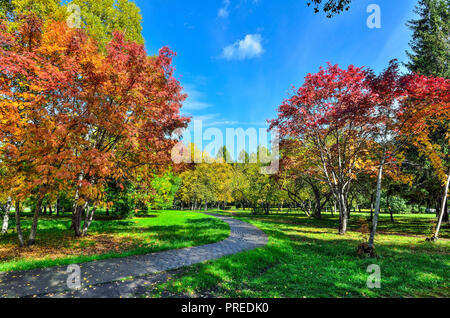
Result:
[[307, 258], [56, 244]]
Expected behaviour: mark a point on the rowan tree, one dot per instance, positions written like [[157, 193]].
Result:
[[85, 116]]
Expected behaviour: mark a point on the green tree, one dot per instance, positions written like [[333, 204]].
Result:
[[42, 8], [224, 155], [102, 18], [5, 7], [164, 190], [430, 45], [120, 197], [249, 184]]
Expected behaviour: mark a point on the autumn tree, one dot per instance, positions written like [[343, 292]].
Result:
[[402, 108], [24, 82], [99, 18], [332, 113], [143, 99], [89, 116], [300, 177], [258, 190], [427, 109], [430, 55]]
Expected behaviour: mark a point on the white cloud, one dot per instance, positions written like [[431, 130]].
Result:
[[223, 12], [248, 48]]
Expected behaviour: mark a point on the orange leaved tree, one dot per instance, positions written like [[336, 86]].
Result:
[[74, 117]]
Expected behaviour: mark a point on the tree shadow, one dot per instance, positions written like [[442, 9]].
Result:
[[300, 266]]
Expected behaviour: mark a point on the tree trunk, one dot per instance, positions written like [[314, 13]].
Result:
[[6, 216], [317, 206], [343, 214], [206, 205], [377, 205], [349, 207], [89, 216], [76, 216], [18, 226], [444, 204], [57, 207], [446, 216], [32, 237], [371, 207], [50, 211], [388, 206], [76, 220]]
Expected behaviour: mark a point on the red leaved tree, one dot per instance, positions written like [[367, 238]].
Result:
[[332, 112]]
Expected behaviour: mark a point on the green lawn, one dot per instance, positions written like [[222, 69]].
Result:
[[307, 258], [109, 239]]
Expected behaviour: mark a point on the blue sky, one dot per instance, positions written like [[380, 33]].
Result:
[[238, 59]]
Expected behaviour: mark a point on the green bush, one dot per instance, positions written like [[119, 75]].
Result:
[[417, 209], [397, 204]]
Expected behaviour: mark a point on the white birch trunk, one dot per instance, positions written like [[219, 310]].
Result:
[[6, 216], [377, 204], [441, 216]]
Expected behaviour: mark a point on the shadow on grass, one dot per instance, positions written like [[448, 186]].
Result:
[[297, 265], [412, 225], [109, 239]]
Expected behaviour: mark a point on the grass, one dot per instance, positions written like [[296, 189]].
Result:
[[306, 258], [56, 244]]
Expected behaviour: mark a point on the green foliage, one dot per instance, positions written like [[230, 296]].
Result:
[[102, 18], [416, 208], [65, 203], [396, 204], [42, 8], [5, 7], [165, 188], [431, 42], [224, 155], [252, 186], [121, 198]]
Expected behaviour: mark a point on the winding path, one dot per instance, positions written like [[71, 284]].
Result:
[[104, 277]]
